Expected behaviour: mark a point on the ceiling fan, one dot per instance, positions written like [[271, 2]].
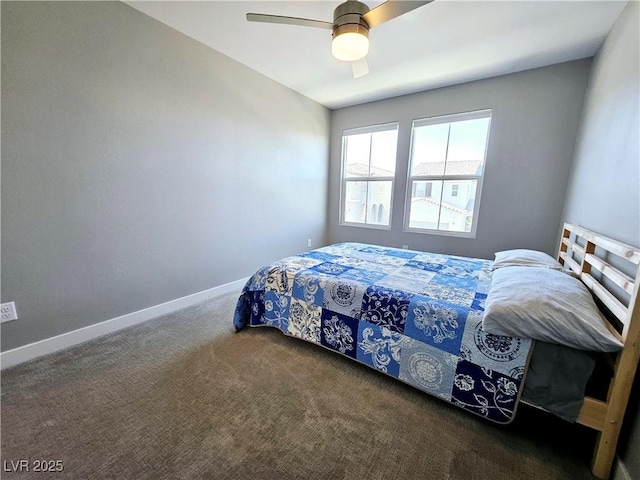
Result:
[[351, 23]]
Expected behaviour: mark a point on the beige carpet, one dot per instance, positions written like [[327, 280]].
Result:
[[185, 397]]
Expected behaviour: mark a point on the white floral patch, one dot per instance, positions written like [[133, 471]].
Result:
[[280, 277], [304, 320], [422, 277], [456, 296], [431, 258], [500, 354]]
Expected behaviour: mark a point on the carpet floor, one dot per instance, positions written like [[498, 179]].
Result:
[[184, 397]]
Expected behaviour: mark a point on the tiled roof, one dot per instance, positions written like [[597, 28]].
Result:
[[448, 206], [358, 169], [460, 167]]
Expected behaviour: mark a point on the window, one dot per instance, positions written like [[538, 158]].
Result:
[[446, 167], [422, 189], [368, 172]]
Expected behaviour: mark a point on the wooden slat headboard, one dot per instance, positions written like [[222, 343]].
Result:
[[609, 269], [583, 251]]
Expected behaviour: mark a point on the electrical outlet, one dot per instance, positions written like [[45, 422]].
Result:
[[8, 311], [308, 243], [405, 247]]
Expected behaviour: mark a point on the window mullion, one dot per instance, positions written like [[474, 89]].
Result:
[[366, 204], [446, 151], [366, 198], [440, 205], [435, 178], [369, 179]]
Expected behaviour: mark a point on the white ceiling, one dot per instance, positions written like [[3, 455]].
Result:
[[443, 43]]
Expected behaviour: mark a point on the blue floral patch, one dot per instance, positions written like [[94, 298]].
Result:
[[256, 307], [339, 332], [436, 323], [485, 392], [478, 301], [276, 310], [379, 347], [462, 269], [309, 286], [391, 252], [325, 257], [365, 276], [462, 265], [427, 266], [242, 312], [386, 307], [465, 283]]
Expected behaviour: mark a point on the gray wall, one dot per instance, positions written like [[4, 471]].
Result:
[[533, 129], [604, 187], [140, 166]]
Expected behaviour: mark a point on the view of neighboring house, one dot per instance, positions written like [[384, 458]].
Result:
[[444, 204], [457, 197], [375, 193]]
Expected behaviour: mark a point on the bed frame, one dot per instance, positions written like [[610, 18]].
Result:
[[610, 271]]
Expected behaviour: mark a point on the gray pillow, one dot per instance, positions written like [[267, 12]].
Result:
[[547, 305], [522, 257]]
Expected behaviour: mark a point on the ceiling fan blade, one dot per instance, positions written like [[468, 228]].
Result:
[[360, 68], [389, 10], [304, 22]]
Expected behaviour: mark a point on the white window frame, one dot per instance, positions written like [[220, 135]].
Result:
[[456, 117], [344, 178]]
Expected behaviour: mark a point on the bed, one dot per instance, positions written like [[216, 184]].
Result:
[[437, 322]]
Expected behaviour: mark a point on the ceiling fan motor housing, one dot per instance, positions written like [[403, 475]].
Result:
[[347, 17]]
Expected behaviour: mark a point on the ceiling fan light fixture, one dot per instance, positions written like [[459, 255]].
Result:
[[352, 20], [350, 42]]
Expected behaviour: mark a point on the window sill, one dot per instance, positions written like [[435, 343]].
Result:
[[443, 233], [366, 225]]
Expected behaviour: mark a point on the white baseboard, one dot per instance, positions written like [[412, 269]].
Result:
[[69, 339], [620, 471]]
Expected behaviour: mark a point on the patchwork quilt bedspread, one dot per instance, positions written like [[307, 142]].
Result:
[[415, 316]]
